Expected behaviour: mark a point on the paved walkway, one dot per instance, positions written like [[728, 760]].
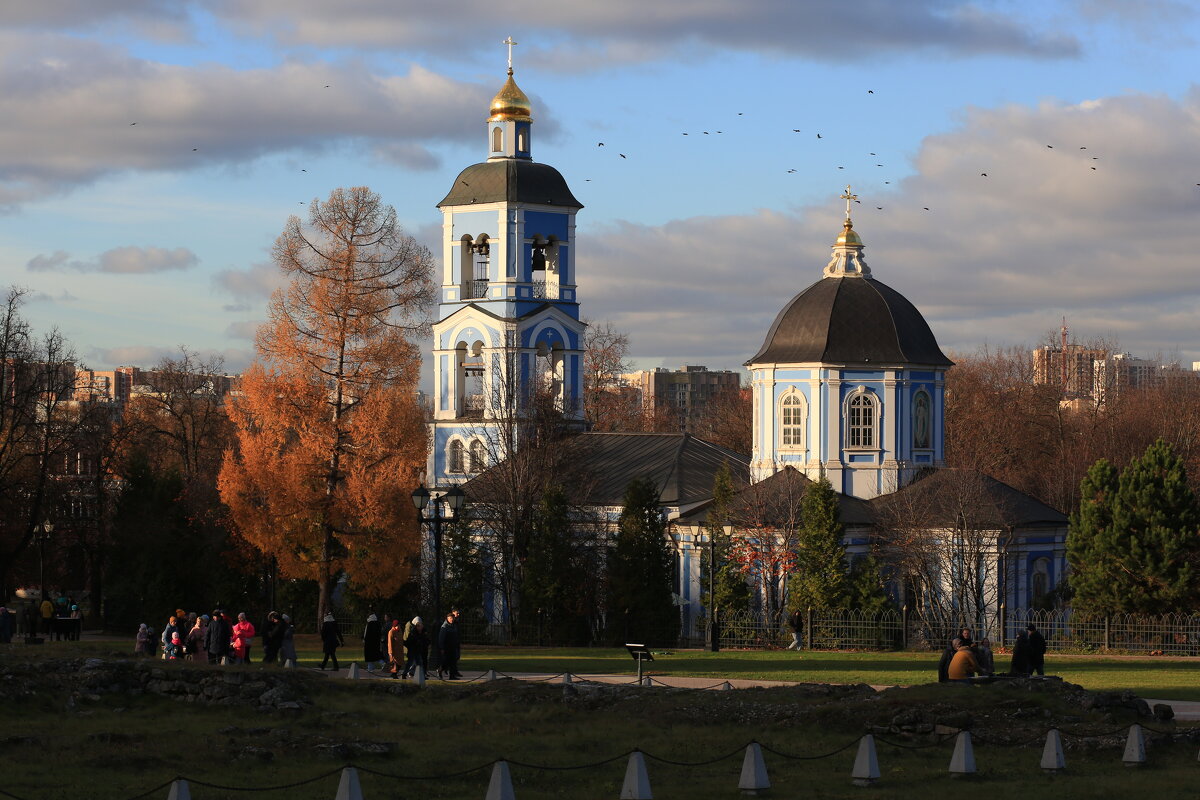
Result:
[[1185, 710]]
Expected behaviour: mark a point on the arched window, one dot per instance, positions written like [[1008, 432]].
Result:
[[860, 422], [791, 422], [497, 139], [454, 457], [523, 140], [922, 418], [478, 454]]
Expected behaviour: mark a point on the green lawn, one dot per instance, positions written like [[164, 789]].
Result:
[[1162, 678], [120, 746]]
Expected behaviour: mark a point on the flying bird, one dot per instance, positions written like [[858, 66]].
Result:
[[327, 86], [303, 170], [599, 144], [795, 130], [1093, 168], [870, 154], [983, 174], [1083, 148], [622, 155], [739, 113], [925, 207], [818, 136], [870, 91], [879, 208], [132, 124], [685, 133], [1050, 146], [194, 149], [841, 167], [792, 170], [705, 133]]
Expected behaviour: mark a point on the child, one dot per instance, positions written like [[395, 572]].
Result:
[[174, 648]]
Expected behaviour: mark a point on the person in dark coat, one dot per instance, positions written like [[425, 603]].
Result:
[[450, 647], [217, 638], [1020, 655], [272, 637], [372, 654], [416, 646], [331, 640], [287, 649], [796, 623], [1037, 650]]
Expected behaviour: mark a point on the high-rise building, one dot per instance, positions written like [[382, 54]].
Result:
[[684, 393]]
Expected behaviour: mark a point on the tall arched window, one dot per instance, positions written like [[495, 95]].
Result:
[[1039, 580], [497, 139], [860, 422], [454, 457], [791, 422], [478, 456], [922, 417]]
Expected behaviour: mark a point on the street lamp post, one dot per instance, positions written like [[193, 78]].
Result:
[[454, 499], [712, 626]]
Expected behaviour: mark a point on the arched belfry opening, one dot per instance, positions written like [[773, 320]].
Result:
[[470, 380], [544, 272]]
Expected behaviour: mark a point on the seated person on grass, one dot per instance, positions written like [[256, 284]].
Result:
[[963, 665]]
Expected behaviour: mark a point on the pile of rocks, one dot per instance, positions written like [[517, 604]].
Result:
[[264, 688]]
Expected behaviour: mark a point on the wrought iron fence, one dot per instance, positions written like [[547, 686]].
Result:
[[1065, 631]]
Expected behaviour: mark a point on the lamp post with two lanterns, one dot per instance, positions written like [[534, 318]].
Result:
[[453, 498]]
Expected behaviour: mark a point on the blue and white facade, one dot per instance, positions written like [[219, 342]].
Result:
[[508, 320], [856, 410]]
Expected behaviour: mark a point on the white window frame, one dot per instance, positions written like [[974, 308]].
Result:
[[855, 428], [793, 401], [456, 444]]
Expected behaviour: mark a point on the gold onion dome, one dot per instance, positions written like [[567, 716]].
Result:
[[510, 103], [848, 236]]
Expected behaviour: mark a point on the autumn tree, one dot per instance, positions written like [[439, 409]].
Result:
[[727, 419], [1134, 543], [607, 404], [329, 435]]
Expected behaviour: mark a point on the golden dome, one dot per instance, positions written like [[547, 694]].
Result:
[[510, 103], [848, 236]]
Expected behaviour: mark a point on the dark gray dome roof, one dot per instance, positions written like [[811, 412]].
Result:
[[850, 320], [513, 180]]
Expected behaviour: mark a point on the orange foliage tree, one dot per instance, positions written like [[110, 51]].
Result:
[[330, 438]]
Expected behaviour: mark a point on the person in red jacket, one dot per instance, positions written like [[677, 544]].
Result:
[[243, 635]]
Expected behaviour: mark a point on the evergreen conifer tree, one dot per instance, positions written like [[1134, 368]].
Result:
[[641, 607], [819, 580], [555, 573], [1134, 544]]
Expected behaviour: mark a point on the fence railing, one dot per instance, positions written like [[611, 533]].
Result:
[[1064, 631]]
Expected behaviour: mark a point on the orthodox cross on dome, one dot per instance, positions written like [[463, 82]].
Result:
[[849, 198], [509, 41]]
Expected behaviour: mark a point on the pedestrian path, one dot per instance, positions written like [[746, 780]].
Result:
[[1185, 710]]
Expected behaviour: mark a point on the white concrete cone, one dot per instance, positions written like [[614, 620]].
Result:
[[637, 782], [754, 771], [500, 786], [1135, 747], [866, 764], [348, 786], [566, 678], [647, 681], [352, 673], [725, 687], [420, 675], [491, 676], [963, 760], [179, 791], [1052, 754], [289, 664]]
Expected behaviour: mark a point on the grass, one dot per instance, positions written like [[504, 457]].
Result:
[[1162, 678], [118, 747]]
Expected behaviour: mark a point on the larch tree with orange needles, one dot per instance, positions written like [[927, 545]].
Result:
[[330, 438]]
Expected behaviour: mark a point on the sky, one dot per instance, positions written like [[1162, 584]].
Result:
[[1015, 162]]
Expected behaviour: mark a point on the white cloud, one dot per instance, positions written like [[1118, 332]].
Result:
[[254, 283], [837, 30], [997, 259], [76, 110], [147, 356], [128, 260]]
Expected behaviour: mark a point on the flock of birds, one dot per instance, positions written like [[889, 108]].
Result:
[[791, 171], [819, 136]]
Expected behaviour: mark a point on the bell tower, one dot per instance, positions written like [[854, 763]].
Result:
[[508, 333]]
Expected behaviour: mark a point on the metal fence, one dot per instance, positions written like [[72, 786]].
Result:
[[1065, 631]]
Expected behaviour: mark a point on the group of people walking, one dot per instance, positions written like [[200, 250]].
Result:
[[218, 639], [406, 646], [965, 658]]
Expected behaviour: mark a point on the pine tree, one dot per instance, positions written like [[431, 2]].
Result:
[[555, 574], [819, 580], [1136, 549], [729, 586], [641, 606]]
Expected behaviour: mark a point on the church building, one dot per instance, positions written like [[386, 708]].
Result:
[[849, 383], [508, 316]]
